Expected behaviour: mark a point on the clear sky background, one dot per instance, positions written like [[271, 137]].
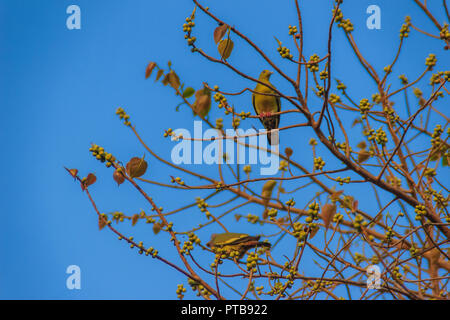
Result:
[[59, 89]]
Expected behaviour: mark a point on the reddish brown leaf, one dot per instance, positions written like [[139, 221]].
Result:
[[363, 155], [134, 219], [157, 227], [288, 151], [90, 179], [328, 212], [335, 196], [313, 232], [72, 172], [159, 74], [361, 145], [355, 206], [101, 222], [173, 80], [118, 176], [136, 167], [219, 32], [149, 70]]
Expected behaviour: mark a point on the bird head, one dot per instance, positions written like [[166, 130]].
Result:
[[211, 242], [265, 75]]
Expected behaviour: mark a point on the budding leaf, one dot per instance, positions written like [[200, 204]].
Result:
[[136, 167]]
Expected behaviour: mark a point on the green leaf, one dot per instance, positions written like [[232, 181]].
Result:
[[177, 108], [189, 92]]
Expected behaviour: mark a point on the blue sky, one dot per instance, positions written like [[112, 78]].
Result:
[[59, 89]]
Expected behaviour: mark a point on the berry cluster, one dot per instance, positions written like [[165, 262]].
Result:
[[313, 213], [405, 29], [292, 30], [313, 63], [123, 116], [430, 61], [252, 261], [341, 181], [420, 211], [381, 137], [203, 206], [359, 222], [444, 34], [404, 79], [100, 154], [376, 98], [388, 235], [436, 77], [180, 291], [334, 98], [364, 106], [285, 52], [319, 163]]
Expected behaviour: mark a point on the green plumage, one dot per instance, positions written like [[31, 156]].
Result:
[[265, 104], [231, 242]]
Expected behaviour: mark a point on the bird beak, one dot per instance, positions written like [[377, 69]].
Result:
[[270, 73]]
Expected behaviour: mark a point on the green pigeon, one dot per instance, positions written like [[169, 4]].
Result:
[[232, 242], [265, 105]]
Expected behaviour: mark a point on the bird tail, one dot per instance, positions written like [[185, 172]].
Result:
[[263, 244], [275, 135]]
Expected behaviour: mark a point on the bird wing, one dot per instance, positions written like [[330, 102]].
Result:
[[254, 104], [278, 110], [228, 238]]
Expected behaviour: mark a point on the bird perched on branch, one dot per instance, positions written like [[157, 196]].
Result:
[[267, 103], [235, 242]]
